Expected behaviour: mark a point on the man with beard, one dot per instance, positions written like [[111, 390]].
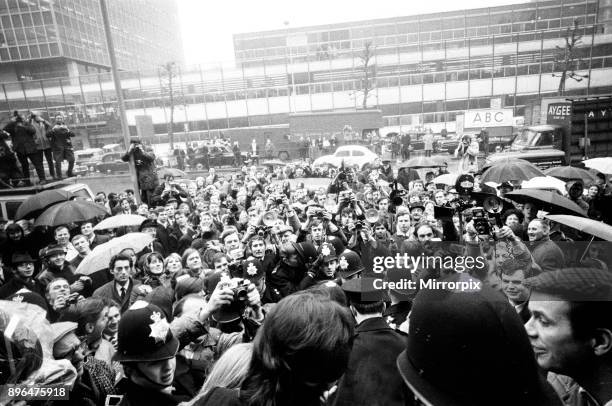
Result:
[[98, 378], [23, 266], [570, 330], [546, 253]]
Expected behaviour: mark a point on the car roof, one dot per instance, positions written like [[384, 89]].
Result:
[[353, 147]]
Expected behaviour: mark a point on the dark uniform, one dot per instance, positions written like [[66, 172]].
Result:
[[371, 377]]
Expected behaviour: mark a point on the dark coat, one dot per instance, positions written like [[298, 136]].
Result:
[[145, 168], [547, 254], [282, 281], [108, 290], [15, 284], [371, 377], [23, 135], [60, 137], [134, 395]]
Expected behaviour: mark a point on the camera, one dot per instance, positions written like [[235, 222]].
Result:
[[72, 299], [278, 199], [482, 223], [262, 230], [240, 289], [359, 225]]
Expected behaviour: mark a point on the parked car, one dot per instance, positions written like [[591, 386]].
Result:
[[350, 155], [112, 163], [218, 155]]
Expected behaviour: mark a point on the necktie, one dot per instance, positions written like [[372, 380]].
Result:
[[122, 293]]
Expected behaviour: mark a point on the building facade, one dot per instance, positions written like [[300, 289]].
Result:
[[422, 71], [43, 39]]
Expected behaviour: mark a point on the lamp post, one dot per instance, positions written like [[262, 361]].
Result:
[[120, 102]]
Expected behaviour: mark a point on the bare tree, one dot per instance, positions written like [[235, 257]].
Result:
[[168, 74], [567, 58], [367, 83]]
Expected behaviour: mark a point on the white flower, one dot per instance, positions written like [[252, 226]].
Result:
[[252, 269]]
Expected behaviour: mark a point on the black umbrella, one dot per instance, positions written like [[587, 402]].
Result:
[[34, 205], [509, 170], [72, 211], [552, 202]]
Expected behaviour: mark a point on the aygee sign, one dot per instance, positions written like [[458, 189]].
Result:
[[557, 112], [488, 118]]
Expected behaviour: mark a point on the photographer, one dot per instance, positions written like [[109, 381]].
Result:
[[43, 143], [9, 170], [145, 168], [168, 190], [59, 298], [61, 144], [23, 136], [366, 245]]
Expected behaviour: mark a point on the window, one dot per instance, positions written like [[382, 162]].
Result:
[[358, 153], [342, 154]]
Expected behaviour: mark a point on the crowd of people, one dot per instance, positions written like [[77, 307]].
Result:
[[259, 291]]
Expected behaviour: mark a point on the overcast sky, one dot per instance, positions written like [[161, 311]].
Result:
[[208, 25]]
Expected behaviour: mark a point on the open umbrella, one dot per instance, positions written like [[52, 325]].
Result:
[[101, 255], [551, 202], [72, 211], [274, 162], [567, 173], [177, 173], [603, 165], [36, 204], [509, 170], [544, 183], [120, 220], [422, 162], [589, 226], [447, 179]]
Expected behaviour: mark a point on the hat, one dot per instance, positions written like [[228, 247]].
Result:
[[364, 290], [26, 296], [21, 257], [574, 284], [147, 224], [252, 270], [53, 249], [416, 205], [144, 335], [465, 346], [62, 328], [328, 252], [349, 264]]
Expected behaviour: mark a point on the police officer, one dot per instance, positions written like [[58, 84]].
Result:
[[146, 349], [371, 377]]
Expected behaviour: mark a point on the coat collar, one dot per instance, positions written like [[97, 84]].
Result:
[[373, 324]]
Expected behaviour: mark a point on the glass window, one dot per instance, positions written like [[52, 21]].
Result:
[[358, 153]]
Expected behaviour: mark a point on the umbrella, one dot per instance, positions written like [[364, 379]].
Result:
[[506, 160], [72, 211], [177, 173], [603, 165], [120, 220], [503, 171], [589, 226], [422, 162], [545, 183], [447, 179], [36, 204], [549, 201], [101, 255], [567, 173]]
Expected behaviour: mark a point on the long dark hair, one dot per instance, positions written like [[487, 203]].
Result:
[[302, 347]]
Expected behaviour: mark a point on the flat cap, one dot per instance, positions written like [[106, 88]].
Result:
[[574, 284]]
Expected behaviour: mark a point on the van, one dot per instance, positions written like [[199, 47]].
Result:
[[11, 199]]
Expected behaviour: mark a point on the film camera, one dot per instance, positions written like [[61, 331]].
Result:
[[278, 198], [262, 230], [240, 289]]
